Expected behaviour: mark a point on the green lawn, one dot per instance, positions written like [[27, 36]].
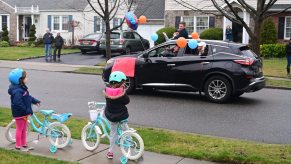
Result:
[[88, 70], [15, 53], [15, 157], [193, 145], [278, 83], [275, 67]]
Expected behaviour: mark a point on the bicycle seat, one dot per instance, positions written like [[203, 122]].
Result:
[[46, 112]]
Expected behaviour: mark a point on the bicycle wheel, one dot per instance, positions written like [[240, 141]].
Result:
[[131, 145], [10, 131], [59, 134], [90, 140]]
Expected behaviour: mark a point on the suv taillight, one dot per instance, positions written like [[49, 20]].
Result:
[[121, 41], [247, 61], [80, 41]]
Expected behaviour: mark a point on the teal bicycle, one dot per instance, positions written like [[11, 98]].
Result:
[[130, 143], [58, 133]]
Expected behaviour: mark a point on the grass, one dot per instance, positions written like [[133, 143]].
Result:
[[15, 53], [88, 70], [278, 83], [193, 145], [14, 157], [101, 64], [275, 67]]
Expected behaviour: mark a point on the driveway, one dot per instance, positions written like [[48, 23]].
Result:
[[90, 59]]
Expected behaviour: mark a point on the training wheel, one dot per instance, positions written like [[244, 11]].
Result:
[[53, 149], [123, 160]]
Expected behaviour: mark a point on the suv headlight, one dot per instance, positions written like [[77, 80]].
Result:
[[110, 61]]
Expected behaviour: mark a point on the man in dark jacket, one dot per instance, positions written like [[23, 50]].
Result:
[[182, 31], [288, 55], [48, 40], [59, 42]]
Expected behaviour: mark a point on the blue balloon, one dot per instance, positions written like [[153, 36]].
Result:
[[154, 37], [192, 44]]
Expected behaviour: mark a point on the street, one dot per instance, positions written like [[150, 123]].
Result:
[[262, 116]]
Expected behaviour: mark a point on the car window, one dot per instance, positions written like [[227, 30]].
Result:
[[246, 51], [93, 36], [220, 49], [197, 51], [114, 36], [128, 35], [136, 36], [165, 51]]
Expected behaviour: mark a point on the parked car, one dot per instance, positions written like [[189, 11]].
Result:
[[223, 71], [90, 43], [125, 42]]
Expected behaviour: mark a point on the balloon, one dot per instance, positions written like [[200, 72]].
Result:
[[192, 44], [142, 19], [154, 37], [195, 35], [131, 20], [181, 42]]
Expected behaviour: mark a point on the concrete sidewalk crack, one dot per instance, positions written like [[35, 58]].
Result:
[[180, 160], [91, 155]]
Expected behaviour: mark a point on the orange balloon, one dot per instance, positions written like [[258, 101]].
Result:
[[195, 35], [181, 42], [142, 19]]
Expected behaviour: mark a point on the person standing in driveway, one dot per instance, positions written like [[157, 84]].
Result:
[[48, 40], [59, 42], [288, 55], [182, 31]]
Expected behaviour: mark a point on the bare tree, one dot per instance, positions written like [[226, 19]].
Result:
[[258, 14], [106, 10]]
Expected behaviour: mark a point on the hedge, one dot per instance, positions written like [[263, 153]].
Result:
[[273, 50], [212, 34], [4, 44]]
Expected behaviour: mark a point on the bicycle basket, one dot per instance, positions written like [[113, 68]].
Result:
[[95, 110]]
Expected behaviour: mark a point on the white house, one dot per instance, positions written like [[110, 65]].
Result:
[[19, 15]]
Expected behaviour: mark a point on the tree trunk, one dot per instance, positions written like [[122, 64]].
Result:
[[256, 39], [108, 46]]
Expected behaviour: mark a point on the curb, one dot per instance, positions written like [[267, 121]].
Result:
[[35, 57], [273, 87]]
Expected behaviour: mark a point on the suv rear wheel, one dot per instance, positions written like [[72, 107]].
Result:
[[217, 89]]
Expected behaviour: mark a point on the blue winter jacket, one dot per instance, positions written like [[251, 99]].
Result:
[[21, 100]]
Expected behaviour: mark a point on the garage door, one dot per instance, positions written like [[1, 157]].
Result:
[[147, 30]]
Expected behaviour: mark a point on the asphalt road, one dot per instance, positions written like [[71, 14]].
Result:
[[263, 116], [76, 59]]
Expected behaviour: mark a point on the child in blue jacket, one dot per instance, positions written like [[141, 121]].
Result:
[[20, 105]]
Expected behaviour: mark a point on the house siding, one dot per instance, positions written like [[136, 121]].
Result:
[[12, 21]]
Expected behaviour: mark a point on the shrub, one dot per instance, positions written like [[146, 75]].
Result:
[[168, 30], [39, 42], [32, 34], [273, 50], [212, 33], [24, 44], [5, 36], [4, 44], [268, 32], [32, 45]]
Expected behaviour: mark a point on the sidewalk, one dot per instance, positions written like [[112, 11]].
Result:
[[77, 153], [53, 67]]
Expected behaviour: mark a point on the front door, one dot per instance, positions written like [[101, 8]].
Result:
[[26, 26], [237, 32]]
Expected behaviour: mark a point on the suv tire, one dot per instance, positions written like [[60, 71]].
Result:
[[217, 89]]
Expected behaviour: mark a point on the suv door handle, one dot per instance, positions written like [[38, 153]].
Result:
[[171, 65], [205, 63]]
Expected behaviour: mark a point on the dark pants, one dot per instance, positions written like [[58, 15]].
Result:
[[288, 61], [59, 52]]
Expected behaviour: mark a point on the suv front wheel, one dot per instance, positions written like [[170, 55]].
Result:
[[217, 89], [129, 85]]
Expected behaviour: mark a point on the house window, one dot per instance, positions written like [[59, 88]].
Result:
[[60, 23], [288, 27], [117, 22], [98, 24], [189, 24], [202, 23], [197, 23]]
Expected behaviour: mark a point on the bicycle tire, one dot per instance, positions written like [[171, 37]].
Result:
[[95, 139], [10, 131], [54, 134], [132, 137]]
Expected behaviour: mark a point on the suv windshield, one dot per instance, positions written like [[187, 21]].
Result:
[[246, 51], [93, 36]]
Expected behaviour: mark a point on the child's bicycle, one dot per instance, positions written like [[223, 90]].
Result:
[[58, 134], [130, 143]]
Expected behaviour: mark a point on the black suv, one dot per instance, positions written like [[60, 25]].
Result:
[[223, 71]]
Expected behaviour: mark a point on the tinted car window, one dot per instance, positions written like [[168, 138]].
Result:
[[191, 52], [136, 36], [128, 35], [246, 51], [165, 51], [93, 36], [114, 36], [219, 49]]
